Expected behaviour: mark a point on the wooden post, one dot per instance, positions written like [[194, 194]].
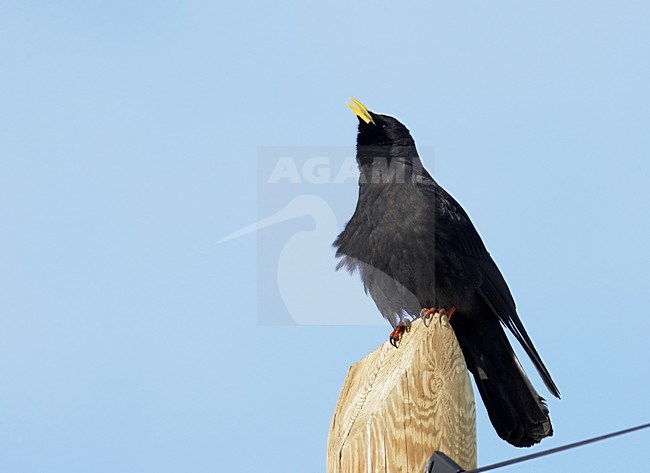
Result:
[[397, 406]]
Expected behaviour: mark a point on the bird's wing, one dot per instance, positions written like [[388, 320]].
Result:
[[494, 291], [458, 231]]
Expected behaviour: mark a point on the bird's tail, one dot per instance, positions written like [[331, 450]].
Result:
[[517, 412]]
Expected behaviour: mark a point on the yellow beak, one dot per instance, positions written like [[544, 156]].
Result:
[[360, 111]]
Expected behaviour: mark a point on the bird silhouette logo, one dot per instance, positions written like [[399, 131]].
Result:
[[299, 265]]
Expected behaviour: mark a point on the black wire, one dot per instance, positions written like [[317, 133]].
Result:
[[550, 451]]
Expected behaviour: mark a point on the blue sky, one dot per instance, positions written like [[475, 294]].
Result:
[[129, 140]]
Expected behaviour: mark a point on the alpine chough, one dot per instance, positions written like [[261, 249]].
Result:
[[418, 254]]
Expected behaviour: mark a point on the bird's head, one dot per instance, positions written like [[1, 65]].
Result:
[[379, 130], [382, 140]]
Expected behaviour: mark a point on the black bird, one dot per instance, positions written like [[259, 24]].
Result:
[[418, 253]]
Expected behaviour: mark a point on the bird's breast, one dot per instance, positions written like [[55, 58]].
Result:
[[393, 233]]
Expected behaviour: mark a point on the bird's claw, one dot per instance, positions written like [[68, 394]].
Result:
[[448, 312], [425, 315], [396, 335]]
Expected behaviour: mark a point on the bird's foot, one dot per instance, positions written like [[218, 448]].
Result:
[[425, 314], [396, 335], [448, 312]]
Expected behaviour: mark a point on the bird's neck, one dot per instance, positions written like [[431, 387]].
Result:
[[389, 164]]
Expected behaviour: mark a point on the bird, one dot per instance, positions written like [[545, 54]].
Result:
[[418, 253]]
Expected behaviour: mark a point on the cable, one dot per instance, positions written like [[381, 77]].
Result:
[[550, 451]]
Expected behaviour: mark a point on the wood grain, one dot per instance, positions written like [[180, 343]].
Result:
[[399, 405]]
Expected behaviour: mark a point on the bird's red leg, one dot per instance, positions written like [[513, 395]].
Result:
[[426, 314], [448, 312], [396, 335]]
